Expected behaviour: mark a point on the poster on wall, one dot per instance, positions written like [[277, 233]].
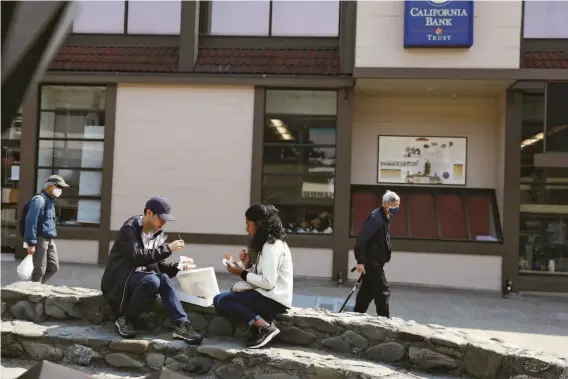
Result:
[[422, 160]]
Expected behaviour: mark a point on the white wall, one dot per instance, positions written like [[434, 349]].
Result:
[[77, 251], [442, 270], [476, 118], [192, 144], [380, 38]]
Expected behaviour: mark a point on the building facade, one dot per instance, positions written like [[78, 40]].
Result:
[[317, 108]]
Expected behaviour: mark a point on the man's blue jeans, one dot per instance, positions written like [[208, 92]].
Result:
[[143, 287]]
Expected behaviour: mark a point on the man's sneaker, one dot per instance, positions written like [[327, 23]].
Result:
[[185, 331], [252, 337], [265, 335], [125, 327]]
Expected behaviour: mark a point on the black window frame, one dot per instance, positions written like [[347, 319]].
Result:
[[379, 191], [55, 168], [205, 14], [299, 174]]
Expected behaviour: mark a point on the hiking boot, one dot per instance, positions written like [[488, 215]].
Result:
[[185, 331], [125, 327], [265, 335], [252, 336]]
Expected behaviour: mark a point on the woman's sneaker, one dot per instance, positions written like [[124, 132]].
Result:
[[185, 331], [252, 336], [125, 327], [265, 335]]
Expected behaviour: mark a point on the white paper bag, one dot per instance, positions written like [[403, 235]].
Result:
[[26, 268]]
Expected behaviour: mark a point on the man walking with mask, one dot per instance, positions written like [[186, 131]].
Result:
[[136, 271], [373, 251], [40, 229]]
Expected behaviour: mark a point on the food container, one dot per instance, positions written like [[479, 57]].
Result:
[[199, 286]]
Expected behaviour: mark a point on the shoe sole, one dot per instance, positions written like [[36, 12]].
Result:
[[267, 340], [189, 341], [123, 334]]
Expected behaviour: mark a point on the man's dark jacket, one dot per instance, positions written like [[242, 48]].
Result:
[[373, 246], [127, 253]]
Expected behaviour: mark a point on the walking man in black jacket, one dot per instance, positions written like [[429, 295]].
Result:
[[373, 251], [136, 271]]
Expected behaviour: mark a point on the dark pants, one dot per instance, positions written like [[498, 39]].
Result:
[[248, 306], [374, 286], [143, 287], [46, 262]]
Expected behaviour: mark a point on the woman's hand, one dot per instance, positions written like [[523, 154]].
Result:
[[245, 258], [234, 269]]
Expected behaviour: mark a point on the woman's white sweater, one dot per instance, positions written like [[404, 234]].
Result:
[[273, 276]]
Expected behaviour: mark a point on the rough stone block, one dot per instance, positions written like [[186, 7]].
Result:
[[122, 360], [79, 354], [40, 351], [448, 340], [483, 361], [375, 332], [156, 360], [25, 310], [325, 372], [11, 350], [168, 346], [418, 333], [198, 321], [292, 334], [230, 371], [430, 360], [219, 353], [199, 365], [320, 324], [533, 365], [220, 326], [130, 346], [348, 342], [386, 352]]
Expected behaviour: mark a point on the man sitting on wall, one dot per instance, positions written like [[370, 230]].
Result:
[[136, 271], [373, 251]]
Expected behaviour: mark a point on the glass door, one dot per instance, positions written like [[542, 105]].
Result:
[[11, 139]]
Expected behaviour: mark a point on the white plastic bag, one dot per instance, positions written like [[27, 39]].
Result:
[[26, 267], [185, 263]]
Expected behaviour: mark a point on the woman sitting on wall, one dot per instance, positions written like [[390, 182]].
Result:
[[267, 284]]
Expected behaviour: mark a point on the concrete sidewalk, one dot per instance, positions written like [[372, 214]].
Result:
[[532, 322]]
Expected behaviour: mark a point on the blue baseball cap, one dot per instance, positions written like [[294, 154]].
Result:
[[161, 206]]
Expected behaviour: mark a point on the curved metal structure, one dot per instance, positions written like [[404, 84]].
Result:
[[32, 31]]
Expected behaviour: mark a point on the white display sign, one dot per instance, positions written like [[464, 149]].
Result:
[[422, 160]]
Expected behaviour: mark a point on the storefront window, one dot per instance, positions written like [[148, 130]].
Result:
[[71, 139], [543, 244], [10, 182], [299, 158], [556, 117], [433, 213]]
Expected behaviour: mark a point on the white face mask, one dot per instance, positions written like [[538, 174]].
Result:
[[56, 192]]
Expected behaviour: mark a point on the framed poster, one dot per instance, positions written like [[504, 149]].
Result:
[[422, 160]]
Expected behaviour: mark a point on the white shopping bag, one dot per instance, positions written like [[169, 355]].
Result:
[[199, 286], [26, 268]]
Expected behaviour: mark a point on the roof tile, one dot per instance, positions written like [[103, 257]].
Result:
[[268, 61], [545, 59], [210, 60], [116, 58]]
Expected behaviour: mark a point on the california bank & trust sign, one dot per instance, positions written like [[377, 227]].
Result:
[[438, 23], [438, 17]]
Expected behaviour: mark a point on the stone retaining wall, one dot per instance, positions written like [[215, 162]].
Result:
[[394, 341]]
